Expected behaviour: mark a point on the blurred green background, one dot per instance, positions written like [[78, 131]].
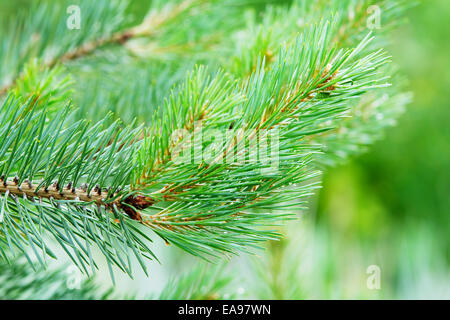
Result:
[[391, 206]]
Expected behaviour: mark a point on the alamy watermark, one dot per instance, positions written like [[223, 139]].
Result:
[[374, 279], [74, 19], [374, 18], [231, 146], [74, 278]]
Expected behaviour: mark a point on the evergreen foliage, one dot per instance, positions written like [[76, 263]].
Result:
[[319, 89], [18, 283]]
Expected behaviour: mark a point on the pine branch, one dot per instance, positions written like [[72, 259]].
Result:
[[107, 184], [51, 87], [363, 124], [282, 24], [69, 181], [143, 84], [149, 27], [42, 33], [88, 39], [203, 208], [287, 97], [158, 31]]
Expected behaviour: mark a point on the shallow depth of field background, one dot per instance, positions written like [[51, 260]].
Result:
[[389, 207]]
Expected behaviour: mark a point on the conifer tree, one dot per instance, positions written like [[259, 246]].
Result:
[[206, 124]]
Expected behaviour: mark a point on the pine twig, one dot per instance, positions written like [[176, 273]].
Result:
[[147, 28]]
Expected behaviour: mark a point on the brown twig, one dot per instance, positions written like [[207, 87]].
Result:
[[129, 204]]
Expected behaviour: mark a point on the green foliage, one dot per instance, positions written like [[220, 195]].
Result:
[[21, 283], [62, 166], [41, 32], [292, 98], [316, 90], [202, 283], [366, 118], [49, 87], [143, 84]]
